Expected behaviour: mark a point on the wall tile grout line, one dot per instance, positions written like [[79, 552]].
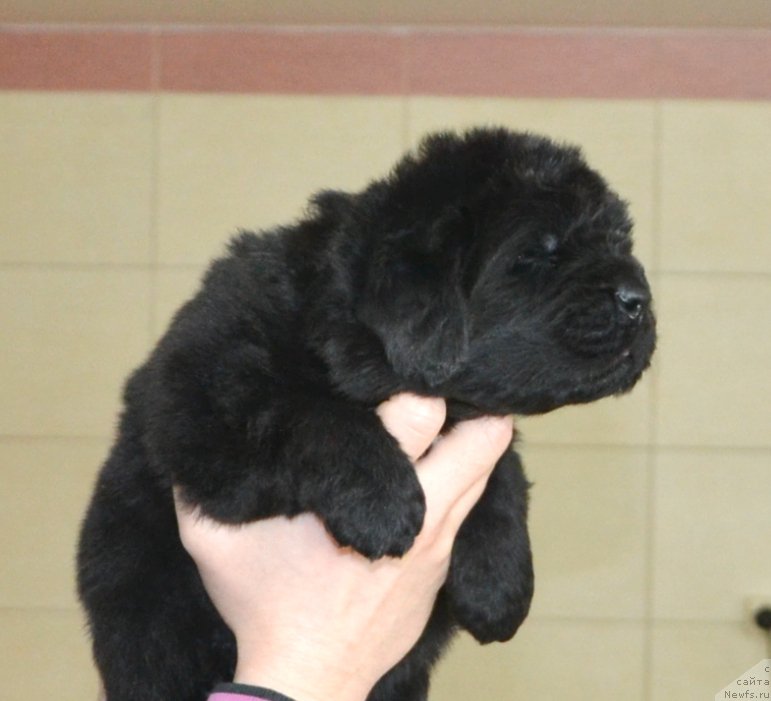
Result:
[[42, 608], [762, 450], [665, 620], [397, 29], [66, 438], [405, 96], [541, 618], [106, 265], [156, 76], [650, 486]]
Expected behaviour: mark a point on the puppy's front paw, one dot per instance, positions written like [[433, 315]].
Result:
[[490, 582], [377, 520], [490, 610]]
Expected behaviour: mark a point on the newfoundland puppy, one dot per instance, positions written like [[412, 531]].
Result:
[[493, 269]]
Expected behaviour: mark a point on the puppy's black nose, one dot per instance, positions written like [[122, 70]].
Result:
[[632, 299]]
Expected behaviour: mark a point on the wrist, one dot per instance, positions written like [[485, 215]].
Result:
[[301, 677]]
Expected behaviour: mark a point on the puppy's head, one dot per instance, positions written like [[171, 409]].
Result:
[[500, 274]]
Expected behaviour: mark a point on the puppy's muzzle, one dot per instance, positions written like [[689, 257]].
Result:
[[610, 316]]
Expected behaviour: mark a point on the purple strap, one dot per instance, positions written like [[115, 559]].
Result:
[[245, 692]]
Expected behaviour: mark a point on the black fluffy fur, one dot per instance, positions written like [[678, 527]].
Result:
[[493, 269]]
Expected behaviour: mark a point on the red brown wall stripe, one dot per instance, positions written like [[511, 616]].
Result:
[[523, 63]]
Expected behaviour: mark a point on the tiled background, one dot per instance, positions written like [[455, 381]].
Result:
[[650, 513]]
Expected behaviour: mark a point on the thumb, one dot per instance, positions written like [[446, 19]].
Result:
[[413, 421]]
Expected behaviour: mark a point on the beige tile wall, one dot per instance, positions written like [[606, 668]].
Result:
[[650, 515]]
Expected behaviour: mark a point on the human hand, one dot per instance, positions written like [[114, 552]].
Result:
[[316, 621]]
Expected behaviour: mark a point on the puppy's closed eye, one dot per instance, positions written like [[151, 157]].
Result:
[[543, 256]]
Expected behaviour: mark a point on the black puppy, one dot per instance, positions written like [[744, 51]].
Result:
[[493, 269]]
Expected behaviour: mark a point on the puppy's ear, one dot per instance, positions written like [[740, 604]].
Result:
[[414, 299]]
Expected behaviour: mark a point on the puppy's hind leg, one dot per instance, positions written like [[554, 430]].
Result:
[[161, 650], [155, 634], [490, 582]]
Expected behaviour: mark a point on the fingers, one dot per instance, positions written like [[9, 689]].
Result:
[[414, 421], [455, 472], [196, 531]]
